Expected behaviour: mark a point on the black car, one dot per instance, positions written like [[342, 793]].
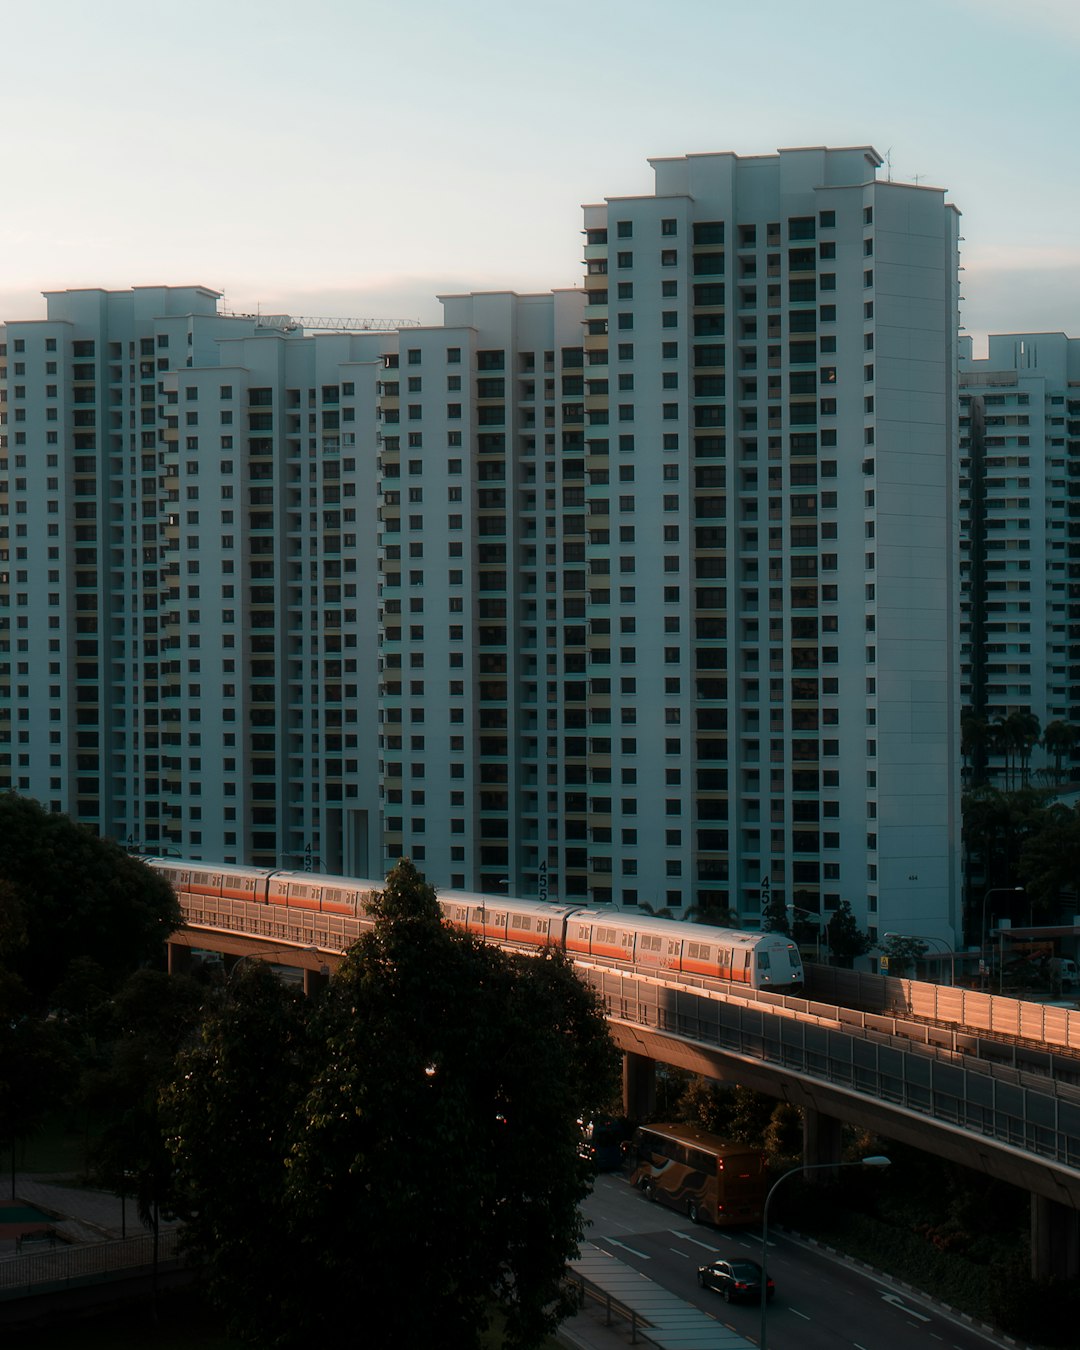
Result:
[[736, 1280]]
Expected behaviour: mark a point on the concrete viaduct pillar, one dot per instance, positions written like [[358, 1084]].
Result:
[[1055, 1240], [315, 981], [821, 1141], [179, 958], [638, 1086]]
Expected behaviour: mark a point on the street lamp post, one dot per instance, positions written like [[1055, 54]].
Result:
[[875, 1160], [984, 935], [945, 949]]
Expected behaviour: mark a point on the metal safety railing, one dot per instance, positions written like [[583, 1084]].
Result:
[[28, 1273], [613, 1309]]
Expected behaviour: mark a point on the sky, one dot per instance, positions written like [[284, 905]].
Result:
[[360, 157]]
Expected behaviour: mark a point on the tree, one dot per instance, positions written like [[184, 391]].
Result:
[[66, 894], [1026, 731], [426, 1120], [1058, 739], [229, 1117], [774, 916], [141, 1031], [1051, 859], [846, 939], [902, 952], [996, 829]]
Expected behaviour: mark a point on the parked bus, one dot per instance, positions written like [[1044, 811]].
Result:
[[700, 1174]]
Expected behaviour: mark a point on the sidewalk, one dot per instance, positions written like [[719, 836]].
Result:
[[665, 1320]]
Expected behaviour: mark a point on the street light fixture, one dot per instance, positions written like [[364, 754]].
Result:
[[810, 916], [984, 935], [875, 1160]]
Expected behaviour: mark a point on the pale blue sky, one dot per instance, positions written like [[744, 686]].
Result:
[[356, 157]]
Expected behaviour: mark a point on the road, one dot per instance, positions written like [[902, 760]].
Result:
[[820, 1304]]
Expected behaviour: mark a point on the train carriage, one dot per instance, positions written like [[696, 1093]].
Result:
[[324, 894], [526, 923], [222, 881], [757, 960]]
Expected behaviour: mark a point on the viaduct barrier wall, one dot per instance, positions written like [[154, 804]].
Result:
[[915, 1070], [990, 1013]]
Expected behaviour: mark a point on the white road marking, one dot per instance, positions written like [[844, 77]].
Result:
[[798, 1313], [616, 1243], [685, 1237], [897, 1302], [858, 1346]]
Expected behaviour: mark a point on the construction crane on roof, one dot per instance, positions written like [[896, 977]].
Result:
[[289, 323]]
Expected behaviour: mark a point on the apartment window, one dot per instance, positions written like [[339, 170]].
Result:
[[625, 351], [669, 227], [669, 257], [624, 229], [624, 260]]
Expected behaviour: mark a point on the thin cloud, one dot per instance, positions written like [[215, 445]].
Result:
[[1020, 257]]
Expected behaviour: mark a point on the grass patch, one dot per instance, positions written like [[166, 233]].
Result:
[[946, 1277]]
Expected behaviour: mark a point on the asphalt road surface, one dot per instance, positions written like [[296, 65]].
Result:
[[821, 1303]]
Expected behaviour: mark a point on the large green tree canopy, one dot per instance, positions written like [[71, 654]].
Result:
[[66, 896], [408, 1143]]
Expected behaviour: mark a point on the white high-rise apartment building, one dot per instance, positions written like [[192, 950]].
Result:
[[770, 400], [185, 508], [641, 593], [1019, 411]]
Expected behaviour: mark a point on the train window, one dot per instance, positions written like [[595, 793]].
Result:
[[605, 935], [520, 921], [699, 951], [673, 946], [763, 960], [649, 942], [542, 925]]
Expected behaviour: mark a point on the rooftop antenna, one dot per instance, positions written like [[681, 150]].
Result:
[[888, 164]]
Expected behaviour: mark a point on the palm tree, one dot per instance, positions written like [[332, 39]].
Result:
[[1003, 743], [1058, 739], [1025, 737]]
